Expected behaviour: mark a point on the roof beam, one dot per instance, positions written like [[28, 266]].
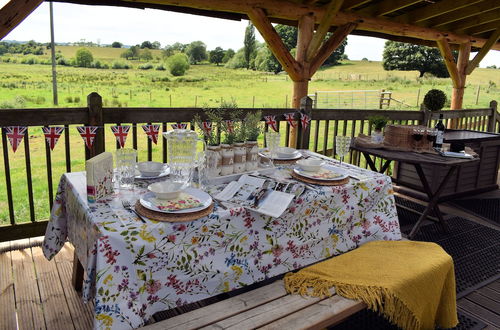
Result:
[[350, 4], [461, 14], [274, 42], [449, 61], [487, 27], [482, 53], [14, 12], [386, 7], [433, 10], [487, 17], [324, 26]]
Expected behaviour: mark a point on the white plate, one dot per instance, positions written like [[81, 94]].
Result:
[[297, 155], [310, 175], [165, 172], [147, 201]]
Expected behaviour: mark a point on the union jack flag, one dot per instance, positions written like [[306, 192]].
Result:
[[304, 119], [230, 126], [88, 134], [271, 122], [121, 133], [179, 126], [152, 132], [15, 135], [290, 119], [52, 135], [207, 127]]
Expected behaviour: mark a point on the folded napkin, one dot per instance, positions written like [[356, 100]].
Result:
[[411, 283], [184, 201], [322, 174]]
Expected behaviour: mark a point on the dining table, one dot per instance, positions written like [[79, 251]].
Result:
[[134, 269]]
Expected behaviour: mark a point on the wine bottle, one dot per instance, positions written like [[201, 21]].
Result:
[[440, 133]]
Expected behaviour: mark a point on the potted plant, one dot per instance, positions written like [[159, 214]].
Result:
[[252, 131], [434, 100], [378, 123], [211, 137]]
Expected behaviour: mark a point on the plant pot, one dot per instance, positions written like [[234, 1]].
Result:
[[252, 150], [240, 157], [377, 136], [227, 153]]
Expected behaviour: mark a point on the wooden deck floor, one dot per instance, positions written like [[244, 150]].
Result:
[[37, 294]]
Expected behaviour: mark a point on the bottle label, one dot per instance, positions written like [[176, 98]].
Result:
[[439, 137]]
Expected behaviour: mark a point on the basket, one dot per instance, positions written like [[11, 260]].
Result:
[[399, 137]]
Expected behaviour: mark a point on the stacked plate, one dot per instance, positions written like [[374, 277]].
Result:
[[150, 202], [326, 173], [283, 153]]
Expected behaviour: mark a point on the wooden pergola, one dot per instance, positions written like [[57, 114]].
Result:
[[462, 25]]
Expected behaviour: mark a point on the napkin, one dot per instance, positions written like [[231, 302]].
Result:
[[99, 176], [184, 201], [323, 174]]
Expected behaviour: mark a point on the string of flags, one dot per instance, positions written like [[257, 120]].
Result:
[[15, 134]]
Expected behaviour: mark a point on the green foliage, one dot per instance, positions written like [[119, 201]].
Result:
[[178, 64], [228, 54], [84, 58], [160, 67], [378, 122], [252, 125], [407, 57], [146, 55], [119, 65], [197, 52], [3, 49], [177, 47], [145, 66], [237, 61], [146, 44], [434, 100], [217, 55], [249, 44], [116, 44], [213, 115], [131, 53]]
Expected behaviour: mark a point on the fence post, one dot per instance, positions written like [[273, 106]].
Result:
[[492, 119], [94, 102], [303, 134]]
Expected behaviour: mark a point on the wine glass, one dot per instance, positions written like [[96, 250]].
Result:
[[418, 134], [273, 142], [431, 135], [342, 146]]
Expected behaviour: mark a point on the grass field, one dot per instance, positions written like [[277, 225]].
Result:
[[29, 86]]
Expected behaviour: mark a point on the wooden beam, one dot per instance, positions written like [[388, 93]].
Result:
[[14, 12], [457, 95], [329, 46], [445, 50], [487, 27], [482, 53], [487, 17], [461, 14], [433, 10], [324, 26], [274, 42], [386, 7], [350, 4]]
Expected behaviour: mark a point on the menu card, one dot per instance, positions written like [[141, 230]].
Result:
[[99, 176], [245, 191]]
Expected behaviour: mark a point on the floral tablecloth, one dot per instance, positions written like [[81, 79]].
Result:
[[136, 269]]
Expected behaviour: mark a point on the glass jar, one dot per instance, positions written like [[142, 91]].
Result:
[[216, 170], [227, 159], [240, 157], [252, 150]]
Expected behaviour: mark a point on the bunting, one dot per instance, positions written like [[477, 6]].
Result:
[[121, 133], [207, 127], [52, 135], [152, 132], [304, 119], [271, 122], [15, 135], [88, 134], [230, 126], [290, 119], [179, 126]]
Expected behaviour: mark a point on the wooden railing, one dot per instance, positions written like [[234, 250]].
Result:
[[319, 136]]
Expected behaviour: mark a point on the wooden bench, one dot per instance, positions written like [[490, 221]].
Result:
[[267, 307]]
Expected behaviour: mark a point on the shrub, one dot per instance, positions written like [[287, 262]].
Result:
[[76, 99], [178, 64], [434, 100], [97, 64], [160, 67], [120, 65], [146, 66], [84, 58], [68, 99]]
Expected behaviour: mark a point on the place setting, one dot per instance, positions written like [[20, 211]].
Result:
[[151, 170], [318, 172], [279, 155]]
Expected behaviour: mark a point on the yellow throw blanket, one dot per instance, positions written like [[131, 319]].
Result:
[[410, 283]]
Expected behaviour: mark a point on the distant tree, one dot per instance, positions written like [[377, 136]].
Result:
[[3, 49], [84, 58], [237, 61], [146, 55], [177, 47], [217, 55], [178, 64], [197, 52], [146, 44], [156, 45], [337, 55], [228, 54], [249, 44], [116, 44], [131, 53], [364, 59], [407, 57]]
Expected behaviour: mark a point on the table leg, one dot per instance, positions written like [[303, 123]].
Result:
[[77, 277], [433, 199], [370, 162]]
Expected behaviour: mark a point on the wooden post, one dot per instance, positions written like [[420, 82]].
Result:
[[306, 105], [94, 102], [426, 115], [492, 119], [477, 94]]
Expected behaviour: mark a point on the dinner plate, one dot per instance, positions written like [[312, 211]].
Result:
[[296, 155], [317, 176], [165, 172], [148, 200]]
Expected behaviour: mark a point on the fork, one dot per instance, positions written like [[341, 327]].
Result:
[[126, 204]]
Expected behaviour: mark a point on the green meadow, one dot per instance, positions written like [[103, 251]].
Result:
[[204, 85]]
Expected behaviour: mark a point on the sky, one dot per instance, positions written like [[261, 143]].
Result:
[[129, 26]]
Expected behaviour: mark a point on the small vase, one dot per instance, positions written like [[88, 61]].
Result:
[[377, 137], [215, 171], [240, 157], [252, 150], [227, 159]]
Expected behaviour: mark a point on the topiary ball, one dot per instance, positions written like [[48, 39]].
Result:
[[434, 100]]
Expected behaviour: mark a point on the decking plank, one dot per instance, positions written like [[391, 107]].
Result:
[[55, 309], [28, 303], [495, 286], [7, 300], [492, 294], [81, 313], [480, 312]]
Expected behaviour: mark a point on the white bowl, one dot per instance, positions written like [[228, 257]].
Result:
[[150, 168], [166, 189], [285, 152], [310, 165]]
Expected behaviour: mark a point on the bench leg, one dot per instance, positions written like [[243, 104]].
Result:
[[77, 277]]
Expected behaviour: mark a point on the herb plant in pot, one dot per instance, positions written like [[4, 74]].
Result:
[[211, 137], [252, 131], [378, 123], [434, 100]]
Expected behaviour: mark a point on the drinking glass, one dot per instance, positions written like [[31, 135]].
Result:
[[418, 134], [342, 146], [125, 167], [207, 168], [273, 141], [431, 134]]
